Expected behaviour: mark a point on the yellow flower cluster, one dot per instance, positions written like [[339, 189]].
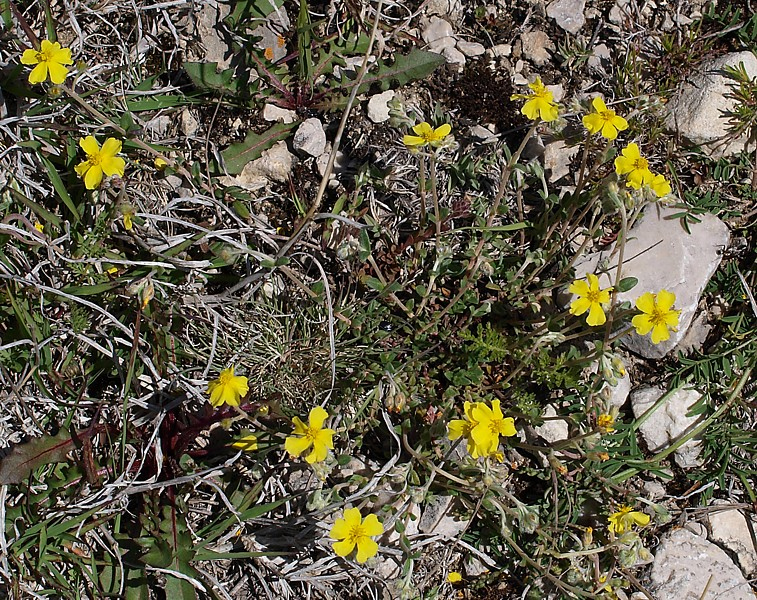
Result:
[[657, 313], [636, 169], [481, 428]]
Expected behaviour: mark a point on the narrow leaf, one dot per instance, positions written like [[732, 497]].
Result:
[[405, 68]]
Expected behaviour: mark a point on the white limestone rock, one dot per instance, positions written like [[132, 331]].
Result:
[[669, 422], [438, 34], [378, 106], [537, 47], [310, 138], [189, 125], [557, 160], [686, 564], [729, 528], [696, 110], [553, 430], [276, 114], [568, 14], [662, 255], [275, 164], [454, 58], [471, 49], [437, 518], [216, 49]]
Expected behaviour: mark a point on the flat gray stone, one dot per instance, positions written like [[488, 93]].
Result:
[[454, 57], [729, 528], [568, 14], [686, 564], [537, 47], [553, 430], [438, 34], [274, 114], [436, 518], [669, 422], [275, 164], [471, 49], [378, 106], [310, 138], [696, 110], [558, 157], [661, 255]]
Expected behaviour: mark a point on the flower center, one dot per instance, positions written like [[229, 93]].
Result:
[[311, 433], [607, 115], [224, 378], [44, 56], [593, 296], [640, 164], [657, 317], [96, 159], [356, 532]]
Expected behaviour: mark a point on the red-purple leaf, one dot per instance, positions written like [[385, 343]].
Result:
[[25, 458]]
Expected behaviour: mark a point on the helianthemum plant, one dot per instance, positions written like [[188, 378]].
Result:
[[425, 135], [354, 531], [540, 104], [227, 389], [590, 298], [313, 435], [657, 315], [604, 121], [49, 61], [100, 161]]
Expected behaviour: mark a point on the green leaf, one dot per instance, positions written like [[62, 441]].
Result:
[[405, 68], [245, 10], [207, 77], [236, 156], [627, 283], [60, 188], [25, 458]]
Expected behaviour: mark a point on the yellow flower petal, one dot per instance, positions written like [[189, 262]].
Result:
[[299, 427], [642, 323], [296, 445], [665, 300], [89, 145], [317, 417], [38, 73], [343, 548], [372, 526], [29, 57], [596, 315], [660, 333], [646, 302], [110, 148], [366, 548], [247, 443], [93, 177], [58, 72]]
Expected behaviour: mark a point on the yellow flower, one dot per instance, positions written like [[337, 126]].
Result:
[[657, 315], [606, 423], [462, 427], [39, 227], [590, 298], [425, 134], [128, 224], [248, 443], [490, 424], [625, 519], [160, 164], [539, 105], [227, 389], [634, 166], [313, 434], [100, 162], [454, 577], [353, 531], [49, 59], [660, 186], [604, 121]]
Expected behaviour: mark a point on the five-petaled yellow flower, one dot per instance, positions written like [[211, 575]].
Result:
[[227, 389], [313, 434], [660, 186], [353, 531], [100, 161], [657, 315], [604, 120], [425, 134], [49, 59], [590, 298], [481, 428], [634, 166], [248, 443], [625, 519], [539, 105]]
